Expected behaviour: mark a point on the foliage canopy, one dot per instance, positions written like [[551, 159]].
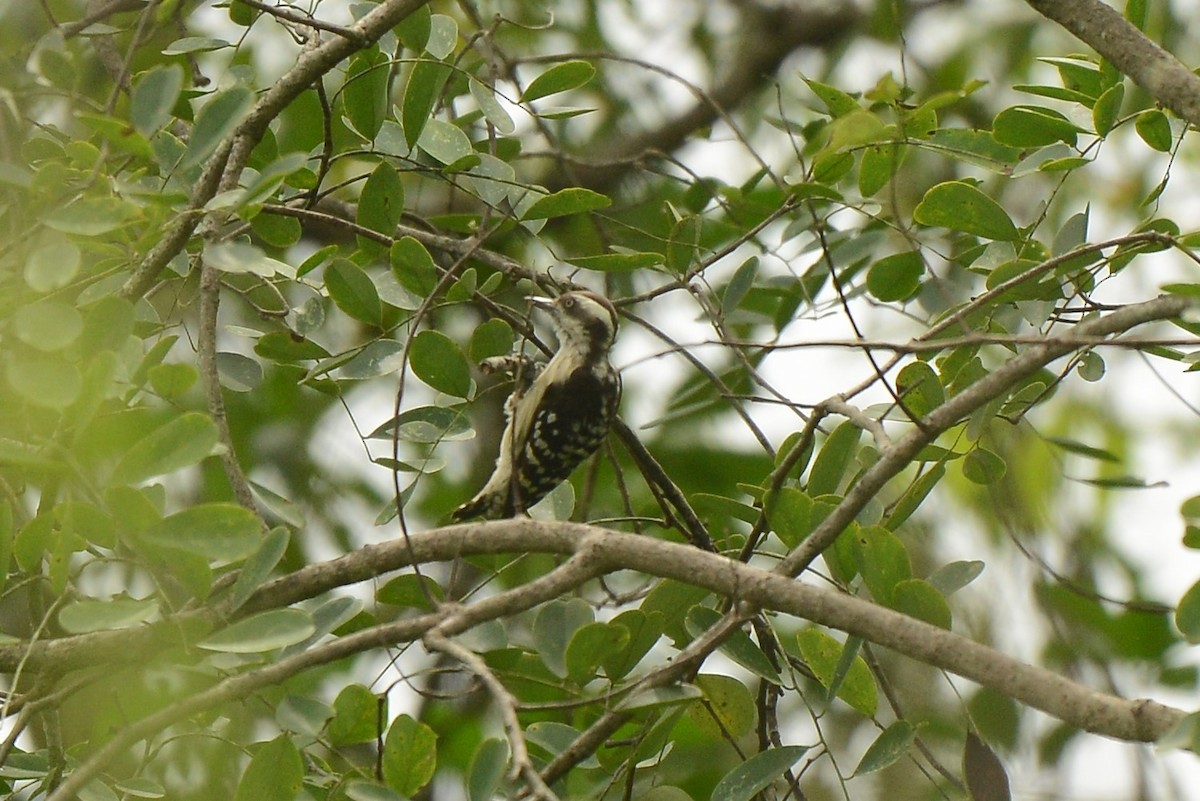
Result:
[[877, 301]]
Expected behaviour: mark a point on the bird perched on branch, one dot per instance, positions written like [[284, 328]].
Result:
[[558, 413]]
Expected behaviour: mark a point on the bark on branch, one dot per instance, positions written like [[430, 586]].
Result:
[[1111, 35]]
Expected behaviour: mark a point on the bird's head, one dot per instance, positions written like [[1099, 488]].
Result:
[[582, 320]]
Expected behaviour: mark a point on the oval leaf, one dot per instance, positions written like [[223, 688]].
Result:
[[154, 95], [275, 773], [217, 120], [823, 653], [439, 362], [365, 95], [222, 532], [752, 776], [888, 747], [266, 631], [574, 200], [93, 615], [960, 206], [559, 78], [409, 755], [353, 291], [180, 443], [381, 203], [896, 277], [920, 599]]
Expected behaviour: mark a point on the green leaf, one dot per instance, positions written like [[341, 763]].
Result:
[[920, 599], [838, 103], [1091, 366], [194, 44], [983, 466], [353, 291], [219, 117], [739, 285], [413, 266], [1155, 129], [559, 78], [365, 94], [644, 629], [222, 532], [266, 631], [154, 95], [738, 646], [553, 628], [358, 717], [960, 206], [119, 613], [554, 738], [275, 773], [486, 769], [896, 277], [1187, 614], [588, 647], [243, 257], [1033, 126], [492, 337], [448, 144], [409, 755], [421, 94], [754, 775], [618, 262], [952, 577], [428, 425], [728, 708], [919, 388], [833, 459], [48, 325], [823, 653], [789, 513], [238, 373], [1108, 109], [892, 743], [879, 164], [259, 566], [672, 600], [276, 230], [575, 200], [48, 383], [439, 362], [381, 204], [492, 109], [410, 591], [52, 266], [882, 561], [182, 442], [90, 216], [380, 357], [979, 148]]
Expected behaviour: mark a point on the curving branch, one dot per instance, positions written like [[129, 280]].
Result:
[[226, 164], [1151, 67], [770, 35], [597, 551], [955, 409]]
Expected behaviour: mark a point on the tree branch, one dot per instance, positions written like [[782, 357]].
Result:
[[604, 551], [1111, 35], [1017, 369], [310, 66]]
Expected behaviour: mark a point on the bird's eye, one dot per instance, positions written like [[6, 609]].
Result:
[[568, 302]]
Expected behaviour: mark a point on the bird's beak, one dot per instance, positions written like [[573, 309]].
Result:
[[542, 303]]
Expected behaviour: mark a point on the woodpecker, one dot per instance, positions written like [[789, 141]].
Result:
[[558, 413]]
